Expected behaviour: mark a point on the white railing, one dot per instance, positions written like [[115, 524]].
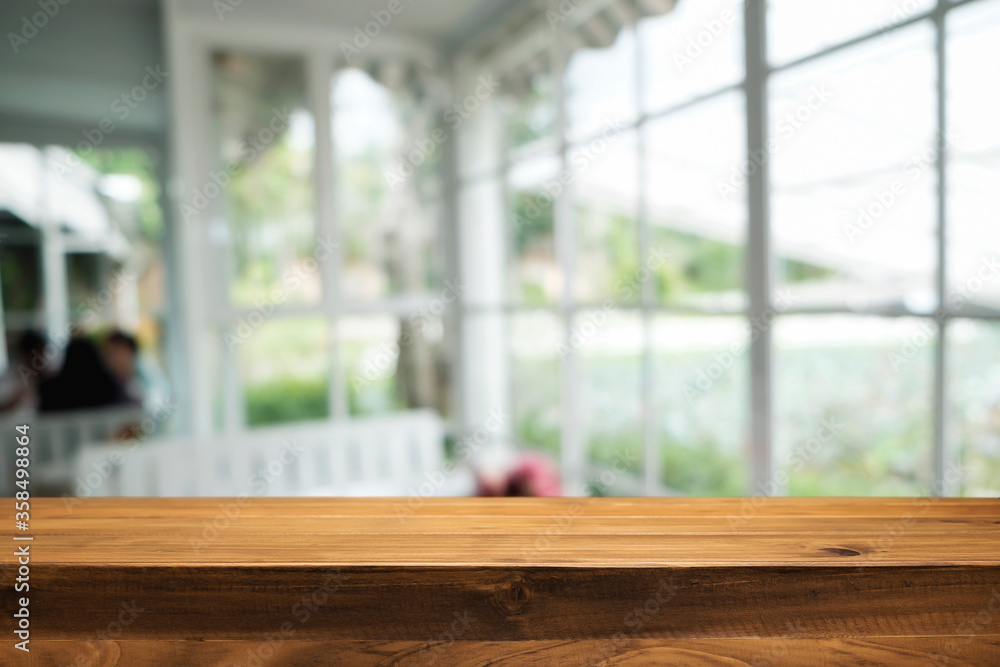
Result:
[[55, 439], [385, 455]]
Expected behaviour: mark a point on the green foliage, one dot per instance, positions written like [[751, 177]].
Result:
[[702, 469], [287, 400], [141, 164], [698, 265]]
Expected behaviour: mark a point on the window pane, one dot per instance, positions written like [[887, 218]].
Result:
[[605, 185], [285, 369], [797, 28], [393, 364], [853, 405], [696, 203], [265, 145], [853, 155], [701, 401], [974, 157], [85, 278], [609, 345], [530, 107], [536, 277], [974, 406], [600, 87], [535, 340], [388, 151], [20, 278], [694, 49]]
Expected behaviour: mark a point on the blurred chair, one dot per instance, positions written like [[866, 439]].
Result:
[[385, 455]]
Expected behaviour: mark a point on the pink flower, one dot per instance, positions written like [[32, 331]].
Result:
[[534, 474]]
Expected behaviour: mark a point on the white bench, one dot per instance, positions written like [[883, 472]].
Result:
[[388, 454], [55, 439]]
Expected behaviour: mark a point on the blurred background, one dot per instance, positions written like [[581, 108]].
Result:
[[519, 247]]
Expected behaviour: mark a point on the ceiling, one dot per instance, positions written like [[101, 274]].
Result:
[[66, 78], [447, 24]]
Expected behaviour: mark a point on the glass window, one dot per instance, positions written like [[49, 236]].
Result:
[[696, 203], [388, 150], [536, 356], [609, 345], [853, 405], [263, 168], [797, 28], [973, 390], [285, 369], [604, 175], [694, 49], [600, 87], [853, 176], [701, 403], [21, 277], [533, 185], [973, 158], [530, 106]]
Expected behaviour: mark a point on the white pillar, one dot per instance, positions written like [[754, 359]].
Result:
[[481, 254]]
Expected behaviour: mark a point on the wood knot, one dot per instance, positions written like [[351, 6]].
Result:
[[513, 597], [839, 551]]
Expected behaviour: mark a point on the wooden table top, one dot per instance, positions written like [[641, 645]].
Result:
[[320, 581], [518, 532]]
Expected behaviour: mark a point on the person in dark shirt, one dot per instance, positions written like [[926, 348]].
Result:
[[83, 382]]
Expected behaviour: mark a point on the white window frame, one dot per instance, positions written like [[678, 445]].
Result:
[[758, 251]]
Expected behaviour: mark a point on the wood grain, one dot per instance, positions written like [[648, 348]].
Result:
[[511, 581]]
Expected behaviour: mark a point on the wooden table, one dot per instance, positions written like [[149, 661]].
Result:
[[756, 581]]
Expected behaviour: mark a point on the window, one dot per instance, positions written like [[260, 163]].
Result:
[[331, 298], [841, 346]]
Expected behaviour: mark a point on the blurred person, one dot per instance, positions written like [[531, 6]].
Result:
[[139, 374], [121, 353], [83, 382], [26, 370]]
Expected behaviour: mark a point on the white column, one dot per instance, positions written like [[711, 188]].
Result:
[[481, 253], [189, 138]]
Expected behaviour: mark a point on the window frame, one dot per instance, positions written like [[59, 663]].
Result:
[[759, 256]]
